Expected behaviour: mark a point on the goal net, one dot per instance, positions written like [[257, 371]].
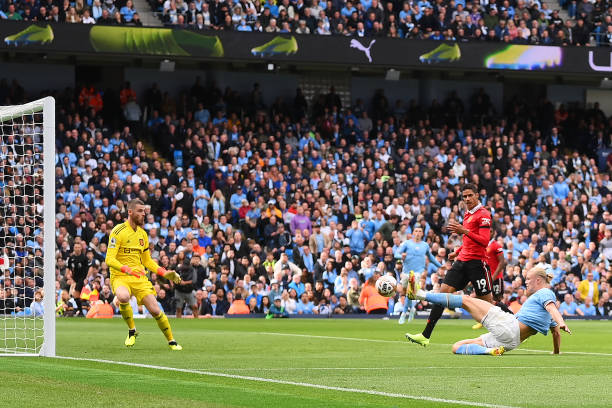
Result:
[[27, 228]]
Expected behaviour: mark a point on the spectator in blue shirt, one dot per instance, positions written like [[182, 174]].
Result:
[[357, 237], [243, 26], [586, 308], [202, 198], [128, 11], [379, 220], [254, 295], [568, 307], [273, 7], [304, 306], [423, 4], [547, 190], [202, 114], [367, 225], [405, 12], [236, 202], [220, 119], [560, 189], [520, 245], [72, 158], [348, 9], [297, 284], [307, 259], [557, 272], [203, 239]]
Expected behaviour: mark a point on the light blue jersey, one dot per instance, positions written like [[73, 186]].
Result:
[[533, 313], [416, 253], [570, 309]]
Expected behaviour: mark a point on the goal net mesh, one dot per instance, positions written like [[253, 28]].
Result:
[[21, 230]]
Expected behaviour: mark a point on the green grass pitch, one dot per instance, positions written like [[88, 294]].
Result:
[[360, 363]]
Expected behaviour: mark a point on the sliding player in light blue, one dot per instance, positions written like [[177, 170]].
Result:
[[506, 331], [417, 251]]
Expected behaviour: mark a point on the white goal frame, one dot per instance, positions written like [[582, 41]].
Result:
[[47, 106]]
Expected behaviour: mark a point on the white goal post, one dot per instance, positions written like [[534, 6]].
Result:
[[27, 231]]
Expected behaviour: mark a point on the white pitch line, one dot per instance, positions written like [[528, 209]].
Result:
[[391, 368], [328, 337], [581, 353], [295, 383], [406, 342]]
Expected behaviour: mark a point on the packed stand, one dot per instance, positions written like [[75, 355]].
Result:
[[297, 207], [105, 12], [509, 21], [21, 195]]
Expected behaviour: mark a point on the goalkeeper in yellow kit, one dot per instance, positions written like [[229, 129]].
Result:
[[127, 256]]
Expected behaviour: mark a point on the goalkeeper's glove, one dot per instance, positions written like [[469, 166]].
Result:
[[170, 275], [132, 272]]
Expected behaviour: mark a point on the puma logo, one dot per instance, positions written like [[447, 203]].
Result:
[[360, 47]]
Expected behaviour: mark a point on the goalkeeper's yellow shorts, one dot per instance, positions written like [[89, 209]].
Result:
[[139, 287]]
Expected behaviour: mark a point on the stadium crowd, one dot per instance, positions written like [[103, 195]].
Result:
[[298, 207], [107, 12], [511, 21]]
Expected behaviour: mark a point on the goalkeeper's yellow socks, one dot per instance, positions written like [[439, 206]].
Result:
[[164, 325], [128, 315]]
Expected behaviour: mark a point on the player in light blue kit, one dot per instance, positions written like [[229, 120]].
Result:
[[506, 331], [417, 251]]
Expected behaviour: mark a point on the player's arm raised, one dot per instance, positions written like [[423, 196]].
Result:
[[111, 260], [151, 265]]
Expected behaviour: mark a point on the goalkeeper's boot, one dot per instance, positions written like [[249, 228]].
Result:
[[497, 351], [174, 346], [130, 340], [418, 339], [477, 326]]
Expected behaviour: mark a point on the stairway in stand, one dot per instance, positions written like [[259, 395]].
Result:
[[315, 85], [147, 16]]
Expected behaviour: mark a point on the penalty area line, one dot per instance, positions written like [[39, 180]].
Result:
[[284, 382]]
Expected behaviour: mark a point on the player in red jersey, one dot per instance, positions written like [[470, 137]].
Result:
[[497, 263], [470, 265]]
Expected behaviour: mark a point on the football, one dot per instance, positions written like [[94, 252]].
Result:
[[385, 285]]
